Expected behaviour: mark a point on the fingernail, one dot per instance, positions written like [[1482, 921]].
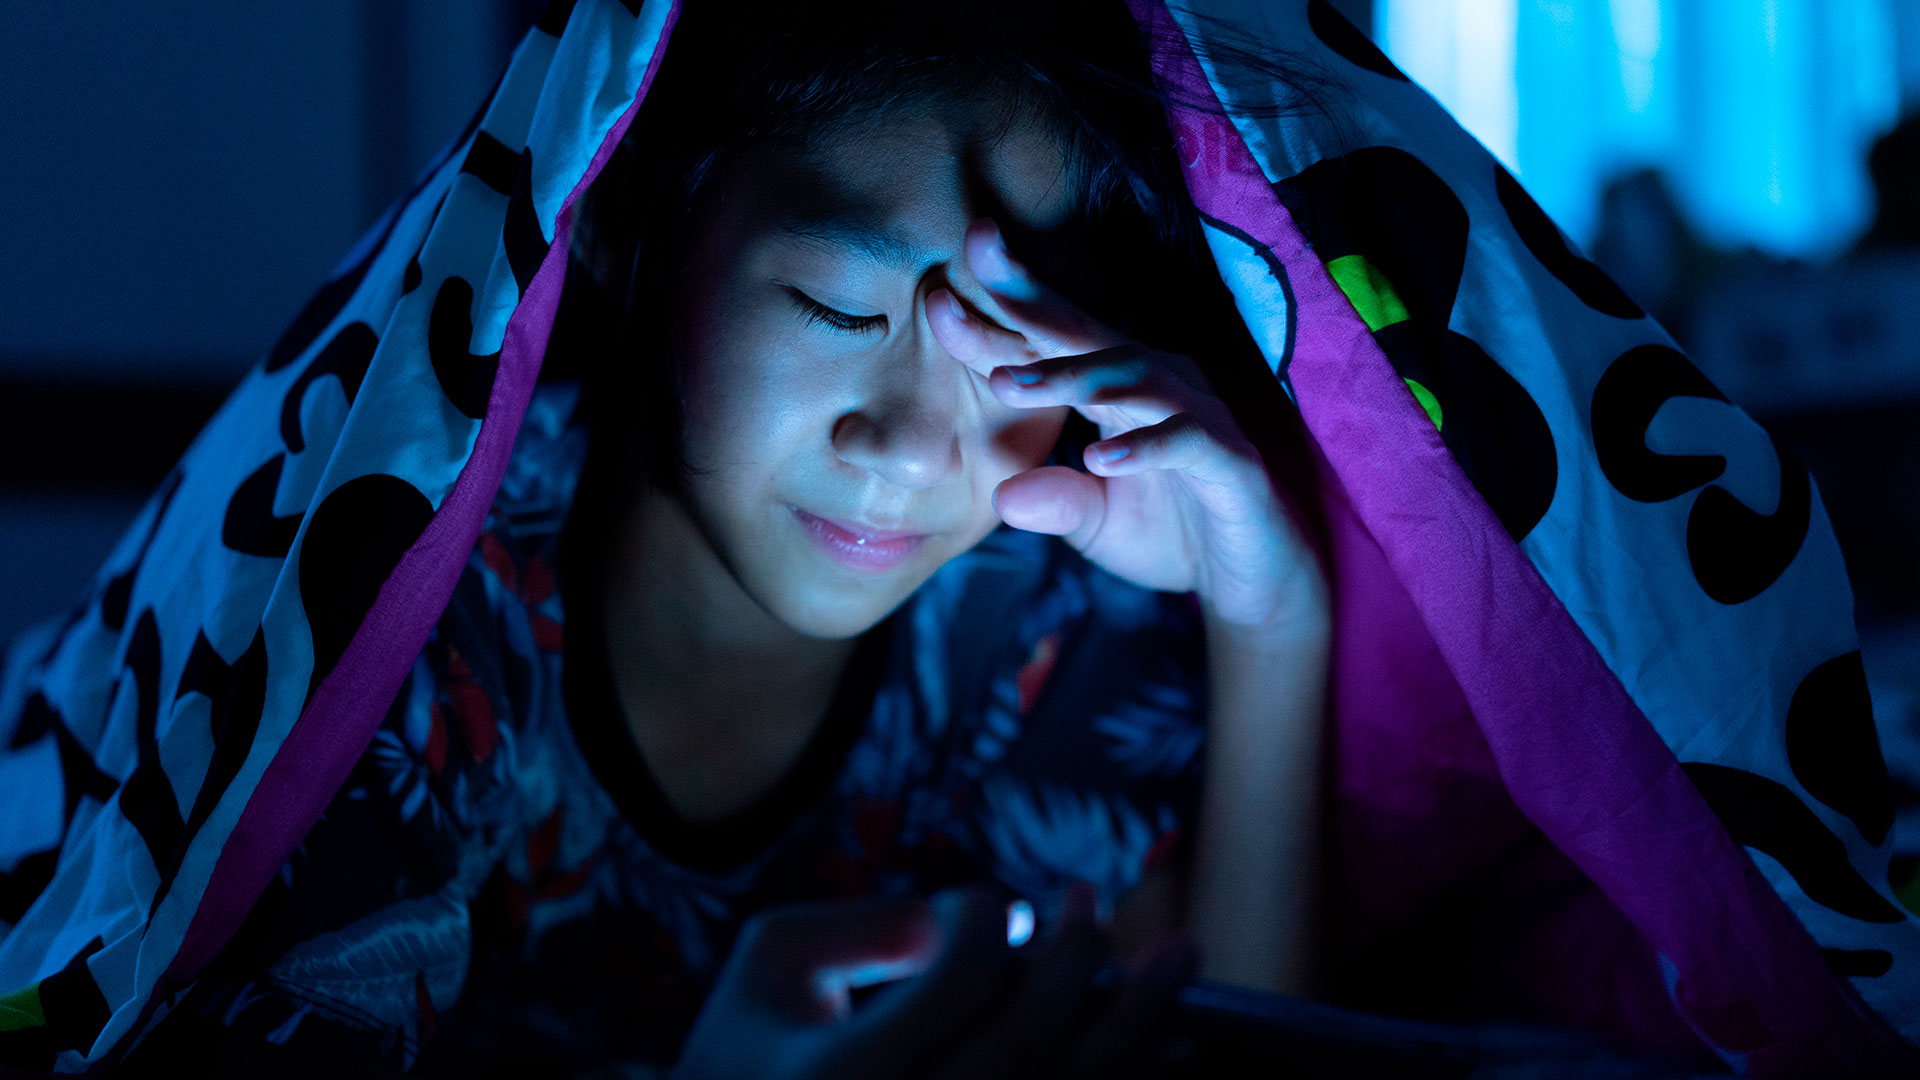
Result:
[[954, 305], [1024, 376], [1111, 453]]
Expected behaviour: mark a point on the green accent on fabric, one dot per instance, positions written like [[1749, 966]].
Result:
[[1368, 290], [1908, 893], [21, 1009], [1427, 401]]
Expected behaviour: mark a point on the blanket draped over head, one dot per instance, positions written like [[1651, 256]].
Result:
[[1580, 597]]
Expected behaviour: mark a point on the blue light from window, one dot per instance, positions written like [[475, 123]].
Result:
[[1760, 112]]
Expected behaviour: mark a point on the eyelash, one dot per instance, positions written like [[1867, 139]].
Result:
[[817, 312]]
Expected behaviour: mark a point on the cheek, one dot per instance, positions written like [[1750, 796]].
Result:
[[735, 368], [1021, 439], [740, 421], [743, 400], [1015, 441]]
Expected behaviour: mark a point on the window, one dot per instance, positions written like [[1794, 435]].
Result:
[[1759, 111]]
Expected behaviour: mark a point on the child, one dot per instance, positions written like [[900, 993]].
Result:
[[787, 634], [794, 653]]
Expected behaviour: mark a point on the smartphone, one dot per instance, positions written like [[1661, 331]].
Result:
[[847, 986]]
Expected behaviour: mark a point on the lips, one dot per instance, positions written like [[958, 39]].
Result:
[[857, 545]]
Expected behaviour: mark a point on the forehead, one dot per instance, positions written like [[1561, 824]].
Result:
[[913, 176]]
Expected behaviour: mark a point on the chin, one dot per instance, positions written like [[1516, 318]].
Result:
[[832, 614]]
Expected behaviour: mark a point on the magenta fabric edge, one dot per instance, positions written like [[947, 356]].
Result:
[[341, 717], [1529, 764]]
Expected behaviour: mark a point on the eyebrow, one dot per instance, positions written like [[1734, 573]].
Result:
[[861, 234]]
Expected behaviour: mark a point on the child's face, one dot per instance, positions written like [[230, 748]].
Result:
[[794, 414]]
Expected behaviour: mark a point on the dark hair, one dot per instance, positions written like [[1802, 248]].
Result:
[[767, 72]]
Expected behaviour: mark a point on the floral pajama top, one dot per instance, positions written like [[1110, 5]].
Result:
[[500, 884]]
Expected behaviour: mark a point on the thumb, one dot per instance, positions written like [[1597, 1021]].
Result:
[[905, 1021], [1054, 499], [802, 959]]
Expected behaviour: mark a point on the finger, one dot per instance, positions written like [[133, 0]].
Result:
[[1050, 322], [802, 959], [972, 340], [1132, 377], [1135, 1015], [1056, 500], [1187, 444], [1028, 1032], [1178, 442], [902, 1022]]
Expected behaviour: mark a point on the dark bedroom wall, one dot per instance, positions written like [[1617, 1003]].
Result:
[[179, 177]]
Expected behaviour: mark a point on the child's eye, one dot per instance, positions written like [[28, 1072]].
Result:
[[818, 312]]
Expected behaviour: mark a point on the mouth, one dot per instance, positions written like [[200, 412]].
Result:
[[857, 545]]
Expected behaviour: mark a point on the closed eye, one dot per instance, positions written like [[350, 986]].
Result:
[[817, 312]]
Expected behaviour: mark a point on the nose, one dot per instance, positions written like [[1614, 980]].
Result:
[[907, 429]]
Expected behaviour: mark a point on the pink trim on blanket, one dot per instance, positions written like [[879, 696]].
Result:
[[347, 708], [1598, 780]]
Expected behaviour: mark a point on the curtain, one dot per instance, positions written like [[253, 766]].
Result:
[[1759, 112]]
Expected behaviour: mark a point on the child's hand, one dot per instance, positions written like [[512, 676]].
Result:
[[1175, 497], [781, 1010], [964, 1007]]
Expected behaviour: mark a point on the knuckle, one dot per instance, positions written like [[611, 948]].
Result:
[[1120, 365], [1135, 364], [1185, 430], [1063, 366]]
